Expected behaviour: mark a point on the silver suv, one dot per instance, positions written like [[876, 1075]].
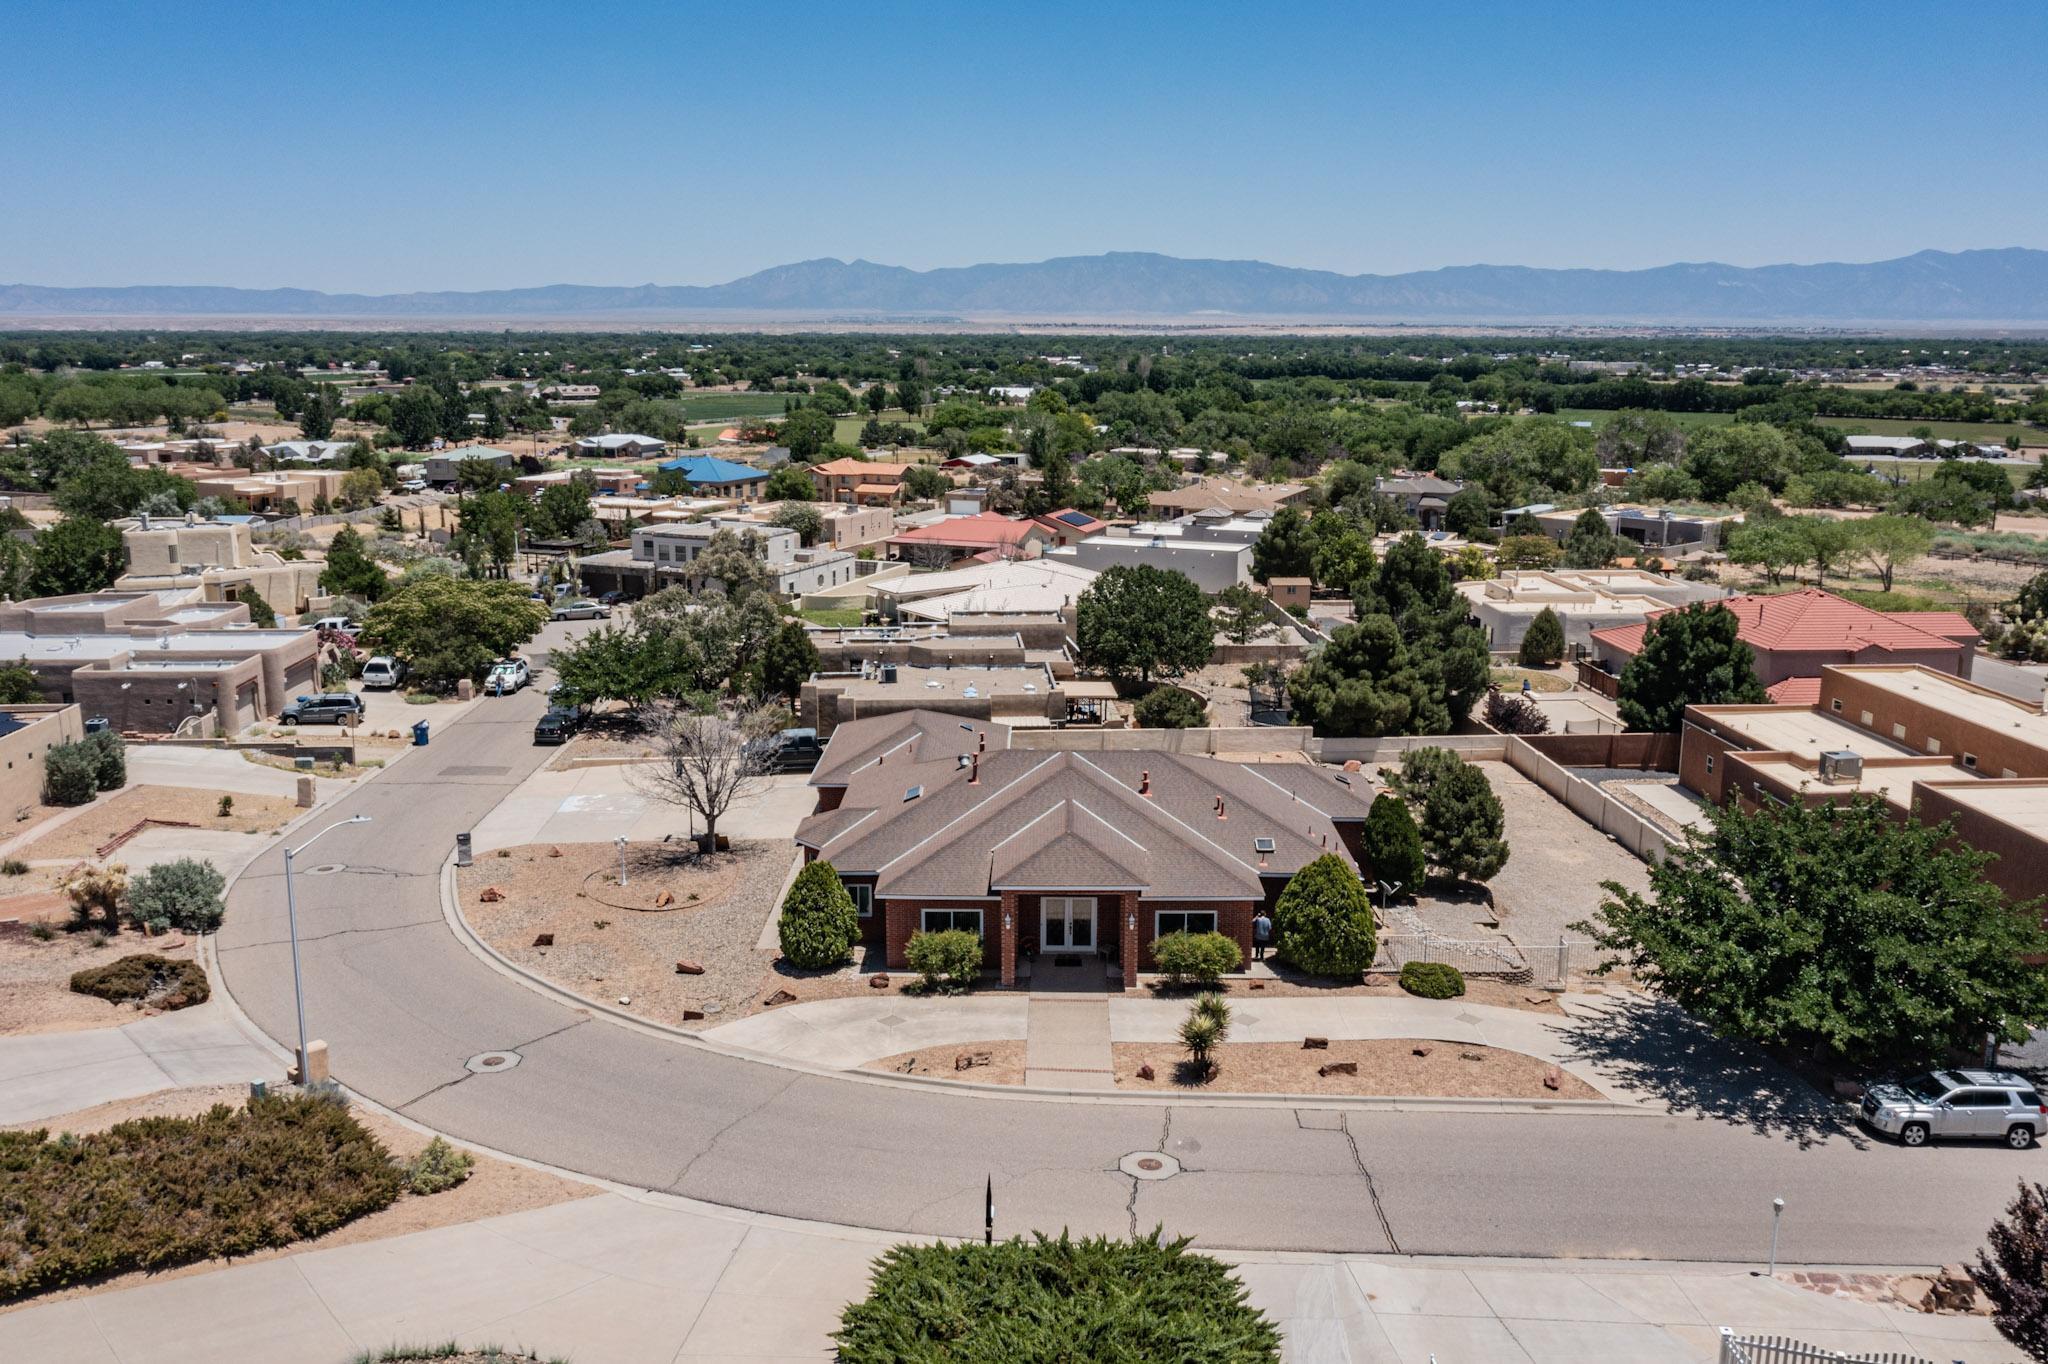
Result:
[[1978, 1105]]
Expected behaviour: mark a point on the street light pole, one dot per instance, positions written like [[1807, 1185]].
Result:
[[291, 914], [1777, 1211]]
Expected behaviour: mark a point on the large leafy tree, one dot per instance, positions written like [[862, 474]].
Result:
[[2013, 1270], [790, 484], [75, 555], [451, 628], [1283, 549], [560, 511], [805, 432], [1139, 622], [1364, 683], [1693, 656], [350, 572], [1885, 542], [487, 530], [1833, 928], [1772, 544]]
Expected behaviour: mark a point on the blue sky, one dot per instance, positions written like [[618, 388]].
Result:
[[384, 147]]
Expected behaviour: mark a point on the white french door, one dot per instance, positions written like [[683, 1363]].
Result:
[[1066, 923]]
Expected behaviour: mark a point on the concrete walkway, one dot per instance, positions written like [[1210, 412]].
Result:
[[62, 1072], [1068, 1035], [625, 1280], [1066, 1028]]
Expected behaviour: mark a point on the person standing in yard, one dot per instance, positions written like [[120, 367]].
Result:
[[1262, 934]]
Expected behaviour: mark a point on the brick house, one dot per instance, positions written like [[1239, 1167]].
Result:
[[934, 822]]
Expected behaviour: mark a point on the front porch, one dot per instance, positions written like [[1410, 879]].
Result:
[[1027, 934]]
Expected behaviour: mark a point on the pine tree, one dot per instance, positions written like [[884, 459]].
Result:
[[1323, 919], [1543, 645], [1392, 844], [1694, 656]]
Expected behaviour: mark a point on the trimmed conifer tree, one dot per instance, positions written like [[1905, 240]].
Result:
[[1323, 920], [819, 924], [1543, 646], [1392, 844]]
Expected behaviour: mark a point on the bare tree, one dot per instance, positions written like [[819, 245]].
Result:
[[709, 763]]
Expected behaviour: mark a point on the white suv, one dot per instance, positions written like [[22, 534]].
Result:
[[382, 673], [1978, 1105], [507, 675]]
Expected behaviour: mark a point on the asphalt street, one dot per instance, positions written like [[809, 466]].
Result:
[[404, 1005]]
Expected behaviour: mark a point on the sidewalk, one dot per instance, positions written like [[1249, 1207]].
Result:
[[621, 1280], [847, 1033], [44, 1074]]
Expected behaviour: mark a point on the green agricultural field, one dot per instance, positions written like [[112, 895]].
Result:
[[1891, 426], [728, 406], [1913, 470], [1685, 420]]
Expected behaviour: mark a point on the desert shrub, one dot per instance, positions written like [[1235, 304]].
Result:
[[947, 961], [1323, 920], [145, 978], [1433, 979], [185, 895], [159, 1192], [13, 866], [71, 774], [438, 1166], [1044, 1299], [227, 806], [1512, 714], [110, 760], [1186, 958], [1168, 707], [819, 923], [97, 891]]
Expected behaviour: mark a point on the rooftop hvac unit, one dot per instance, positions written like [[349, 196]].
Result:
[[1841, 765], [888, 672]]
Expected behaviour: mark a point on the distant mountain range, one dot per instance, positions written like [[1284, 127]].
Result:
[[2007, 286]]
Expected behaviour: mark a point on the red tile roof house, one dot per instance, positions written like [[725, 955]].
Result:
[[1796, 634], [934, 822], [988, 536], [1070, 527]]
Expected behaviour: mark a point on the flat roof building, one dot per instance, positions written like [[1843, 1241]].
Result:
[[1584, 600]]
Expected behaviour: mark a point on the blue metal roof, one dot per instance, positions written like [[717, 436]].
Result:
[[710, 469]]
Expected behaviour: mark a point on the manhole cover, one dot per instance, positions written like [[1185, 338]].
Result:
[[483, 1063], [325, 869], [1149, 1165]]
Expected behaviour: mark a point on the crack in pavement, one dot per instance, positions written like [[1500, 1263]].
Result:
[[305, 938], [1371, 1189], [674, 1185], [471, 1075]]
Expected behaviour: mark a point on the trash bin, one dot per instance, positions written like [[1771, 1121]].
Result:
[[419, 734]]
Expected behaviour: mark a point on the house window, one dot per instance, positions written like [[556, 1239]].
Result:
[[939, 920], [1184, 921], [1970, 760], [1710, 764], [1836, 703], [863, 897]]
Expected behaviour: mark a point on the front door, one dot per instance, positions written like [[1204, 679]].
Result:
[[1066, 923]]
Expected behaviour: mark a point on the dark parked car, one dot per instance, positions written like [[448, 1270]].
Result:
[[793, 750], [327, 708], [558, 726]]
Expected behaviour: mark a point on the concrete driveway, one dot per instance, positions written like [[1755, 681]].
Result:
[[598, 804], [61, 1072]]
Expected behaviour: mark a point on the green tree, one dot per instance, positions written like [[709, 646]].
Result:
[[819, 923], [1772, 544], [1323, 922], [910, 398], [316, 418], [1591, 544], [1722, 458], [350, 572], [1340, 553], [1364, 683], [1463, 825], [1469, 515], [1240, 613], [1827, 541], [789, 662], [261, 614], [18, 684], [451, 628], [803, 518], [925, 483], [790, 484], [1392, 844], [1544, 643], [361, 488], [732, 562], [560, 511], [1283, 549], [75, 555], [1139, 622], [875, 397], [1836, 929], [2013, 1270], [1536, 551], [1168, 707], [1693, 656], [1885, 542], [416, 416], [805, 432], [486, 535]]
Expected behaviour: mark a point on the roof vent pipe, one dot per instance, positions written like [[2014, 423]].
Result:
[[1145, 782], [1222, 808], [974, 771]]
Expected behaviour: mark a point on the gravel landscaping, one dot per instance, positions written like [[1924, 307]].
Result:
[[83, 836], [1555, 865], [1385, 1066], [618, 944], [35, 976]]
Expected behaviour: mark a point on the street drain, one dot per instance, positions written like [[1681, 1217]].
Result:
[[1149, 1165], [483, 1063]]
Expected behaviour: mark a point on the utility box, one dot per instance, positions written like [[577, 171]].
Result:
[[462, 853]]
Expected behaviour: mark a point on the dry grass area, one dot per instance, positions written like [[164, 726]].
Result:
[[612, 943], [1386, 1066], [35, 976], [494, 1187], [1539, 679], [80, 837], [1005, 1065]]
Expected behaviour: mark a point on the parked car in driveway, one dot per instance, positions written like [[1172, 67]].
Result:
[[382, 673], [558, 726], [793, 750], [1972, 1105], [581, 608], [324, 708], [507, 675], [341, 623]]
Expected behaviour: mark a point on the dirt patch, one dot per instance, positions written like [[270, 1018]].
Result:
[[85, 835], [494, 1187], [1005, 1064], [1385, 1066], [35, 977], [607, 952]]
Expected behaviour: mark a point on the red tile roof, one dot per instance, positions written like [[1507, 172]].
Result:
[[1795, 691], [864, 467], [1811, 621], [984, 528]]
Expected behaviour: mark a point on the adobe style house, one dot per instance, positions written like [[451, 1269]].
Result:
[[934, 822], [859, 482]]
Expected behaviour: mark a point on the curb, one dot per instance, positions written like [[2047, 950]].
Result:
[[451, 911]]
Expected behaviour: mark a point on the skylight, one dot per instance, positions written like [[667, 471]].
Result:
[[913, 793], [1264, 845]]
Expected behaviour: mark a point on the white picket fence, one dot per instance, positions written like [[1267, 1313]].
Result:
[[1780, 1350]]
